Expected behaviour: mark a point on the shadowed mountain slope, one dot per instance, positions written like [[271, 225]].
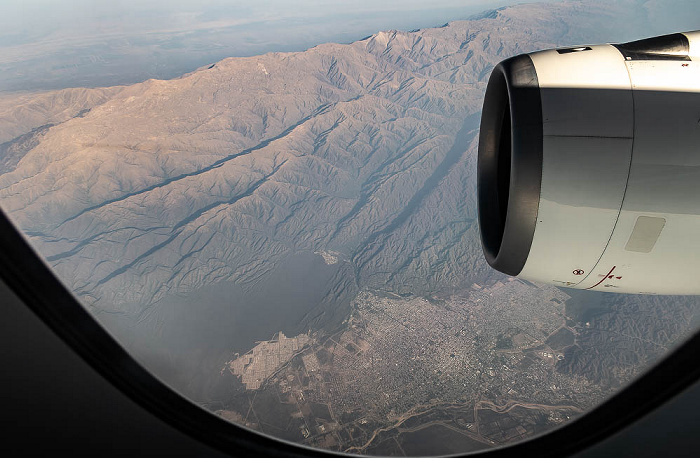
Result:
[[366, 150]]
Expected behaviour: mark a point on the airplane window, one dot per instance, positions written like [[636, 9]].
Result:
[[273, 206]]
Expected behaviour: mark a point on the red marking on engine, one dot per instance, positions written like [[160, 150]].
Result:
[[604, 277]]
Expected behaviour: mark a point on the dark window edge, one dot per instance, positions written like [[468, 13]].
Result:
[[31, 279]]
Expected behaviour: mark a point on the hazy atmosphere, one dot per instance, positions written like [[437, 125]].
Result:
[[46, 44], [291, 239]]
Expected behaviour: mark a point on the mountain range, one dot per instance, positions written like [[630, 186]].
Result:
[[262, 194]]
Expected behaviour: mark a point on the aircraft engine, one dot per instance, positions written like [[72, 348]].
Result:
[[589, 166]]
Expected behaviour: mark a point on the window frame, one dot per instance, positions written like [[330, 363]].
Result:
[[27, 274]]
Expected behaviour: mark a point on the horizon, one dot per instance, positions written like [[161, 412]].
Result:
[[49, 46]]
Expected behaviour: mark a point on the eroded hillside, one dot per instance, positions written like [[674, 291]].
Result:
[[366, 149]]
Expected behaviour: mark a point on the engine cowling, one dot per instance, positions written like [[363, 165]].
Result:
[[589, 166]]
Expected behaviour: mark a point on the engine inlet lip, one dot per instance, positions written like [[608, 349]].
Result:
[[509, 169]]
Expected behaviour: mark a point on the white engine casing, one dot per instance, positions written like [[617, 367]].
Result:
[[611, 201]]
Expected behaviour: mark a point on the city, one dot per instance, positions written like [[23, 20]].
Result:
[[478, 369]]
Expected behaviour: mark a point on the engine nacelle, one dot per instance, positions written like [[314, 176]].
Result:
[[589, 166]]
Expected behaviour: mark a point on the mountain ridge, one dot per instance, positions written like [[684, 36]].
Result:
[[199, 215], [302, 151]]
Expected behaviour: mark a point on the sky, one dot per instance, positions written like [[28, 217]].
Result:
[[38, 17], [51, 44], [46, 44]]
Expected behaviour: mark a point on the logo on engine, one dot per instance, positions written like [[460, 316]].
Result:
[[578, 272]]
